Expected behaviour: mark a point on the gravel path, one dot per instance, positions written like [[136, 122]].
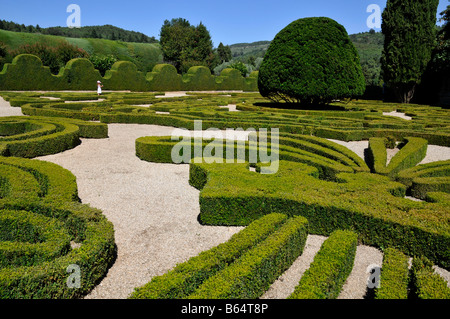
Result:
[[154, 211]]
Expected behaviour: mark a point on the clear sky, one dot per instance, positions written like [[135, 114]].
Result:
[[229, 22]]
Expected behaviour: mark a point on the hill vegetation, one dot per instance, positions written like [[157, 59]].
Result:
[[98, 32], [144, 55]]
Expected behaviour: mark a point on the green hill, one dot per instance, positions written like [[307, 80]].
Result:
[[144, 55]]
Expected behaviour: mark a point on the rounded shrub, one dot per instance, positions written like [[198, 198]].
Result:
[[311, 61]]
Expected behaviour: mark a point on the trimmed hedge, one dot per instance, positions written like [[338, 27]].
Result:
[[40, 218], [370, 204], [329, 270], [411, 154], [43, 136], [394, 279], [26, 72], [426, 284], [330, 158], [347, 123], [252, 274], [186, 277]]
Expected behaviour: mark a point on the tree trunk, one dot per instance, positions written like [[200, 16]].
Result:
[[405, 92]]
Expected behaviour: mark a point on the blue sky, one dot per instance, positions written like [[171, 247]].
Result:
[[229, 22]]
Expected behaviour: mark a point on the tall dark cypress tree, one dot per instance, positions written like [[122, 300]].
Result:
[[409, 27]]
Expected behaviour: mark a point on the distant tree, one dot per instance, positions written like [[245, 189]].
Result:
[[185, 45], [224, 53], [409, 27]]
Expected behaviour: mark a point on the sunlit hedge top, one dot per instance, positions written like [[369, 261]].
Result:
[[311, 61]]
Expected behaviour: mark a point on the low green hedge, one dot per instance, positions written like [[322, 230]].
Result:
[[38, 179], [330, 158], [26, 72], [40, 217], [370, 204], [252, 274], [426, 283], [48, 279], [186, 277], [43, 136], [427, 178], [411, 154], [48, 239], [394, 279], [329, 270]]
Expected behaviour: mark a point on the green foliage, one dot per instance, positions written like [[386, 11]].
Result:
[[54, 57], [425, 282], [40, 217], [144, 55], [411, 154], [223, 53], [102, 63], [185, 45], [311, 61], [40, 136], [252, 274], [186, 277], [408, 26], [329, 270], [103, 32], [370, 204], [240, 67], [394, 279]]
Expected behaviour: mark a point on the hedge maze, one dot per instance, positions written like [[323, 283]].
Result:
[[320, 188], [44, 230]]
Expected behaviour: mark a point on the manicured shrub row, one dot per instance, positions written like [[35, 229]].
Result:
[[43, 136], [426, 284], [330, 158], [186, 277], [253, 273], [48, 279], [329, 270], [26, 72], [25, 241], [411, 154], [31, 180], [40, 218], [394, 277], [426, 178], [344, 125], [370, 204]]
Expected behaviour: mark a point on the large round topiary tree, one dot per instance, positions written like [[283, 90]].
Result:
[[311, 61]]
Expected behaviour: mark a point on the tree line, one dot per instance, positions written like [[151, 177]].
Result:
[[108, 32]]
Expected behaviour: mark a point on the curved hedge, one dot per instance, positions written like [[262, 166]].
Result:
[[411, 153], [370, 204], [427, 178], [37, 136], [44, 231], [26, 72], [354, 121]]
